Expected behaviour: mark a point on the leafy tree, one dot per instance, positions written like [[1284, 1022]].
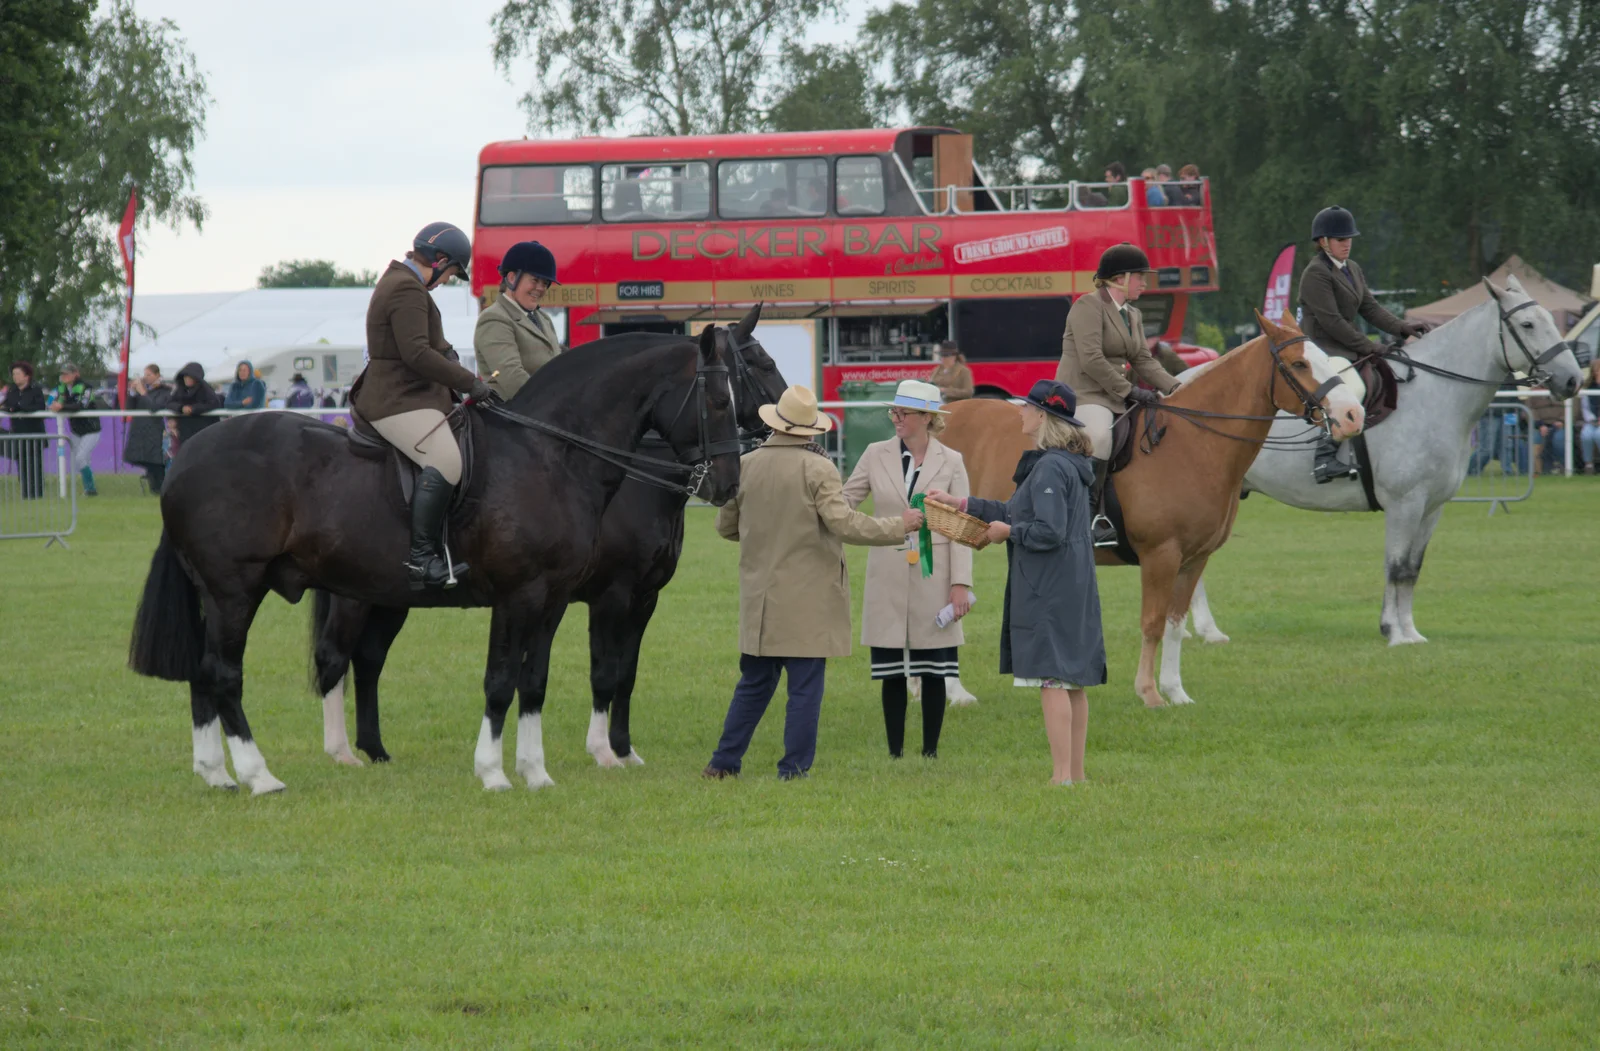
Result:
[[825, 87], [313, 273], [666, 67], [123, 105]]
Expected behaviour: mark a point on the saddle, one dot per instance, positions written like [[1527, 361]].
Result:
[[368, 444], [1137, 426]]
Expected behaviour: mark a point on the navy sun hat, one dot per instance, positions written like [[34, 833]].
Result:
[[1057, 399], [530, 257]]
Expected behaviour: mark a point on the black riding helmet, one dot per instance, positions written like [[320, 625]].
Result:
[[1334, 222], [530, 257], [442, 245], [1122, 259]]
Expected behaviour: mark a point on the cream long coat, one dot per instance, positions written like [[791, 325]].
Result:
[[791, 522], [511, 343], [900, 603]]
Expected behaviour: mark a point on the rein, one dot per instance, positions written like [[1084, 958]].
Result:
[[1537, 373], [633, 463]]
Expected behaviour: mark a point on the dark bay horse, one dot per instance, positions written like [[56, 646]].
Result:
[[1179, 496], [277, 502], [641, 538]]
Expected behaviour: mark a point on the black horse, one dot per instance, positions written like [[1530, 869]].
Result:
[[277, 502], [641, 538]]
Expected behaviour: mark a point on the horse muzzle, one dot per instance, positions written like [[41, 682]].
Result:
[[1344, 420]]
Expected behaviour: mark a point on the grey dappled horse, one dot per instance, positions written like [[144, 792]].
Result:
[[1419, 455]]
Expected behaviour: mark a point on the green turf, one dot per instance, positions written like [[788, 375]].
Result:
[[1340, 845]]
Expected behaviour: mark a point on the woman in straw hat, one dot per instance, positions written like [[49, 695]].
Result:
[[1050, 633], [791, 522], [897, 615]]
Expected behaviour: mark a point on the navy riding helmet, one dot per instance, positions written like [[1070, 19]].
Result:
[[1334, 222], [530, 257]]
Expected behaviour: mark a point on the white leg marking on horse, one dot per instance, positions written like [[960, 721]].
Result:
[[958, 695], [1205, 625], [252, 768], [530, 751], [209, 760], [335, 737], [599, 743], [1171, 654], [486, 760], [1408, 627], [633, 758]]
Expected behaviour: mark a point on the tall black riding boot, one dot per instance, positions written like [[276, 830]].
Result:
[[1327, 467], [1105, 534], [430, 503]]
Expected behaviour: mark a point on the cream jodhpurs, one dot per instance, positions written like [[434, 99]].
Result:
[[1097, 420], [438, 450]]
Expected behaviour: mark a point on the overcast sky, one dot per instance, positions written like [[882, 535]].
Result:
[[322, 140]]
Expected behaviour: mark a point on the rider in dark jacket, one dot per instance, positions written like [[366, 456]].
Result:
[[1333, 293]]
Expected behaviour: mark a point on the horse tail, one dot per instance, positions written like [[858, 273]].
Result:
[[169, 628]]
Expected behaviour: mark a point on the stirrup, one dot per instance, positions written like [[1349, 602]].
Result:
[[1332, 470], [1102, 532]]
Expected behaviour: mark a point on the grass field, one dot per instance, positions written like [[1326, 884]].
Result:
[[1340, 845]]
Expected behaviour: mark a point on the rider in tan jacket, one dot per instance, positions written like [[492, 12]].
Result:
[[514, 338]]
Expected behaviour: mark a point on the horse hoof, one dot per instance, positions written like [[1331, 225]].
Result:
[[346, 758], [606, 759], [222, 781], [633, 758], [1213, 636], [1185, 633], [495, 782], [266, 785], [1397, 639], [539, 780], [1178, 697]]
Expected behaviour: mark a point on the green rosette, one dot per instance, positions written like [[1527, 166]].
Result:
[[924, 536]]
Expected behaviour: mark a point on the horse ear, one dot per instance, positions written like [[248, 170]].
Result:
[[1286, 321], [708, 343], [747, 325], [1266, 326], [1493, 291]]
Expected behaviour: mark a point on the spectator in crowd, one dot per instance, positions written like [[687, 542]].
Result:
[[951, 375], [1589, 406], [514, 338], [150, 393], [897, 615], [1188, 190], [192, 397], [1549, 420], [1153, 197], [74, 396], [1050, 628], [1169, 192], [246, 391], [300, 396], [1115, 174], [24, 395], [790, 520]]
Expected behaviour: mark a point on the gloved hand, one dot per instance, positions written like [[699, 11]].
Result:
[[1142, 396], [1417, 328], [481, 392]]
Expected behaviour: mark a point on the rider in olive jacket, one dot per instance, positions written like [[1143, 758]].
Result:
[[1333, 292]]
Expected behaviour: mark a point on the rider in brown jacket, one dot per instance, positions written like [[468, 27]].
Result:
[[405, 391], [1333, 292]]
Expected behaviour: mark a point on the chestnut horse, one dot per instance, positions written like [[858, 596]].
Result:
[[1179, 497]]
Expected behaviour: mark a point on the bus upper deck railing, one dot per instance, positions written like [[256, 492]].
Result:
[[1066, 196]]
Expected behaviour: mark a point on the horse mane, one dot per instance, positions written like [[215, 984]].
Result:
[[1225, 365], [580, 364]]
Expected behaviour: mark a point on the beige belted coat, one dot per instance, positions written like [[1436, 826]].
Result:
[[513, 344], [791, 521], [900, 602]]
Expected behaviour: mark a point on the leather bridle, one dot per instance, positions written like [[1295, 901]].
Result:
[[1311, 401]]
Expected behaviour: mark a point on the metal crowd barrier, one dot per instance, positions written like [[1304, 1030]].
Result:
[[37, 496], [1501, 459]]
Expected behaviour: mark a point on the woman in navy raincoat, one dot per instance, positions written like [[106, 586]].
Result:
[[1051, 637]]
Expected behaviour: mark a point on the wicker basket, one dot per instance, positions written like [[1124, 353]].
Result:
[[962, 528]]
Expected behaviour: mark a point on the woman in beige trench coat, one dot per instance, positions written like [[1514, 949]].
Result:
[[897, 617]]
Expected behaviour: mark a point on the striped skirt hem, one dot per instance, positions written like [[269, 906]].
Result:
[[933, 663]]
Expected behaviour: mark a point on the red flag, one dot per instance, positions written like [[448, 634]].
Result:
[[1276, 302], [125, 242]]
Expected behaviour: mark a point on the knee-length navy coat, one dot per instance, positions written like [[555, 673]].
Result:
[[1051, 627]]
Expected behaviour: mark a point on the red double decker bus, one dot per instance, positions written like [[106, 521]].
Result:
[[876, 245]]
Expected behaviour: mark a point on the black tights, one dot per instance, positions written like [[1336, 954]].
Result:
[[894, 713]]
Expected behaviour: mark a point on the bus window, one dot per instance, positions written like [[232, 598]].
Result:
[[536, 195], [752, 189], [859, 184], [1011, 329], [1155, 310], [633, 193]]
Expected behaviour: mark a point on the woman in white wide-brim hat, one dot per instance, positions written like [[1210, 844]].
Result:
[[897, 618]]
